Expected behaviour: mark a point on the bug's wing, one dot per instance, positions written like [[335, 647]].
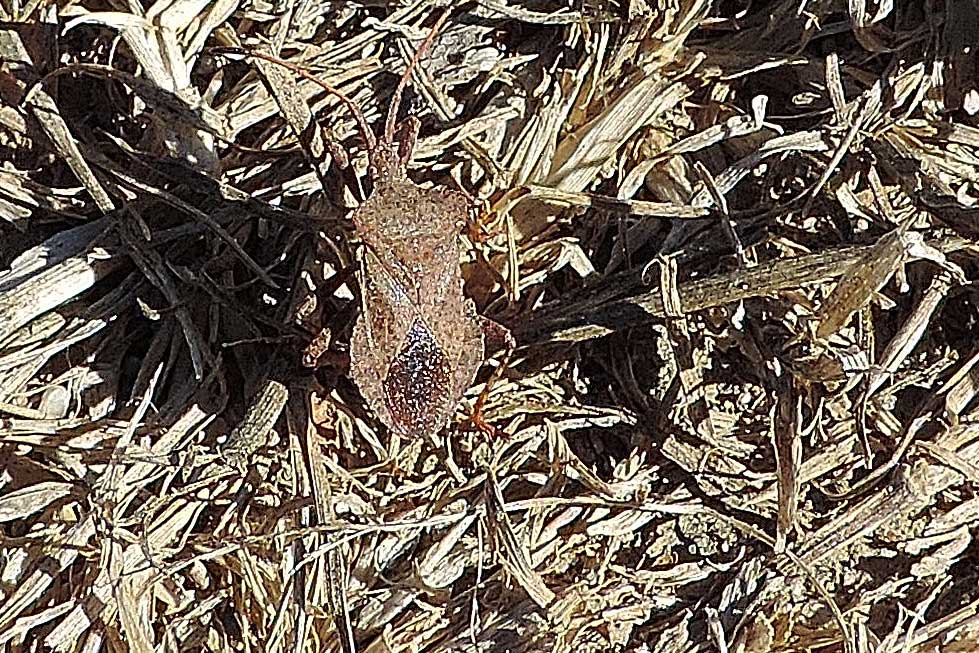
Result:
[[385, 318], [417, 345], [414, 233], [397, 359], [419, 386]]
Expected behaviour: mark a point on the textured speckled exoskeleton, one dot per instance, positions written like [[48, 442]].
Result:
[[418, 341]]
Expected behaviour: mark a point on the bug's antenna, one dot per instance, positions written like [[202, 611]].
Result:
[[370, 141], [399, 91]]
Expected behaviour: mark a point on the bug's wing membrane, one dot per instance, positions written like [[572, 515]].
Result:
[[419, 383]]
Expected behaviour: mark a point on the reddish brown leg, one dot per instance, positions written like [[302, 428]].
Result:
[[479, 422], [497, 337]]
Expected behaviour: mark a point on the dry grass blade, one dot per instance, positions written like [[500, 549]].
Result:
[[44, 109], [250, 436], [735, 244]]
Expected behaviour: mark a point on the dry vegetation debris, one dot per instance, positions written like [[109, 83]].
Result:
[[734, 242]]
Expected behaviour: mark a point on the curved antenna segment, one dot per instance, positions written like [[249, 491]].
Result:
[[388, 135], [370, 142]]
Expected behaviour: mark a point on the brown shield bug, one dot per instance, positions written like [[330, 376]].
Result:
[[418, 341]]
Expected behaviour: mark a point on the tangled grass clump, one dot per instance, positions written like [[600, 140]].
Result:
[[734, 245]]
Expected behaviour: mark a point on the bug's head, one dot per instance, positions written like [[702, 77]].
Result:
[[386, 164]]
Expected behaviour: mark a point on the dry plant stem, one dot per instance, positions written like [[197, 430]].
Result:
[[787, 446], [335, 566], [901, 345], [909, 334], [250, 435], [721, 202], [44, 109], [864, 278], [516, 561], [593, 318], [892, 462], [46, 282], [691, 375]]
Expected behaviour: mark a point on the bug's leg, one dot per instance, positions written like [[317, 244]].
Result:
[[497, 337], [478, 232], [320, 345], [318, 348], [325, 149]]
